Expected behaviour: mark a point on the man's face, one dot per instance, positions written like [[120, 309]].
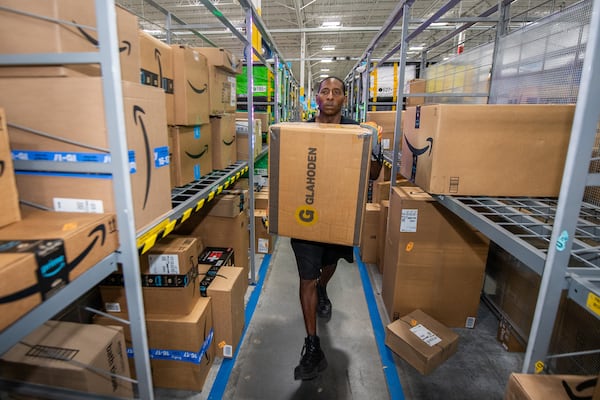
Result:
[[330, 97]]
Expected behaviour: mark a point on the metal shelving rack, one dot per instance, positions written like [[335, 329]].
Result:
[[108, 59], [559, 239]]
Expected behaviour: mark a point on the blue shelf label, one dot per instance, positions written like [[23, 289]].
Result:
[[70, 157], [161, 156], [197, 132], [179, 355]]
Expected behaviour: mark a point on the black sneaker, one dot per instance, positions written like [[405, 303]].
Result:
[[313, 360], [324, 304]]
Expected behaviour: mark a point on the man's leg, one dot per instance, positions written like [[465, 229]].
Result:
[[308, 301], [323, 302], [313, 360]]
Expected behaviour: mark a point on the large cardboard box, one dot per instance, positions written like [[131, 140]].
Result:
[[191, 86], [487, 149], [45, 251], [384, 208], [368, 237], [32, 29], [224, 143], [67, 354], [223, 67], [227, 291], [181, 347], [229, 204], [431, 256], [555, 387], [9, 202], [169, 279], [156, 69], [191, 152], [318, 178], [63, 113], [421, 341]]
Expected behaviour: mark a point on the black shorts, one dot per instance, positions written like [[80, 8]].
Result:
[[312, 256]]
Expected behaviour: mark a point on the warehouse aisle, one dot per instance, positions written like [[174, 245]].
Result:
[[360, 366], [273, 341]]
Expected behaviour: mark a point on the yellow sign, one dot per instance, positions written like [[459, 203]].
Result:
[[593, 303], [539, 367]]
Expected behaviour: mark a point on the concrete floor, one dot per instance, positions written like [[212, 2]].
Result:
[[360, 365]]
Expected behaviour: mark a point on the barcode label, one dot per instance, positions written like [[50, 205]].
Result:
[[430, 338], [112, 307], [408, 220], [227, 351], [78, 205], [164, 264]]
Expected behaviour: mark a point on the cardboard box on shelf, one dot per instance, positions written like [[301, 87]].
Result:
[[487, 149], [421, 341], [261, 199], [263, 116], [222, 232], [23, 34], [68, 355], [156, 69], [509, 338], [387, 120], [191, 86], [227, 291], [415, 86], [214, 258], [169, 279], [181, 347], [555, 387], [223, 66], [318, 178], [9, 202], [191, 152], [228, 205], [241, 134], [265, 241], [65, 245], [224, 142], [63, 113], [368, 237], [431, 255], [384, 208]]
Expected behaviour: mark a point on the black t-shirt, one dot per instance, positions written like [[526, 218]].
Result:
[[344, 121]]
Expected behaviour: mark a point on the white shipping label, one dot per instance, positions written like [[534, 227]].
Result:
[[164, 264], [263, 245], [425, 335], [78, 205], [385, 143], [408, 220], [233, 98]]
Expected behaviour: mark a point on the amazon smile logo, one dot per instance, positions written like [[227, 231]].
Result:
[[1, 167], [416, 153], [53, 269], [138, 113], [196, 156], [126, 44], [230, 142], [196, 90]]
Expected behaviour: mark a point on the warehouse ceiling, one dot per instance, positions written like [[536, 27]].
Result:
[[335, 34]]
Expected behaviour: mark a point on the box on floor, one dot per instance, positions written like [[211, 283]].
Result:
[[65, 245], [181, 347], [368, 237], [421, 341], [318, 179], [66, 354]]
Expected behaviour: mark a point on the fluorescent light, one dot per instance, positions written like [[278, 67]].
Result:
[[439, 23], [416, 48], [323, 76], [325, 69], [153, 31], [328, 48], [330, 24], [326, 60]]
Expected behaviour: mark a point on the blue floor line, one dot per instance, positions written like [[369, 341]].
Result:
[[218, 389], [387, 358]]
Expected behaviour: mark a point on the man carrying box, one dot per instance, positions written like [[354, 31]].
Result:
[[317, 261]]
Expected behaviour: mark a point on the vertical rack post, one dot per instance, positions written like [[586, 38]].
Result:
[[276, 83], [400, 95], [115, 124], [583, 133], [251, 144]]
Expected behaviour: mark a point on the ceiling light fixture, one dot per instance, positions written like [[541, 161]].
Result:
[[325, 69], [328, 48], [416, 48], [330, 24], [326, 60]]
